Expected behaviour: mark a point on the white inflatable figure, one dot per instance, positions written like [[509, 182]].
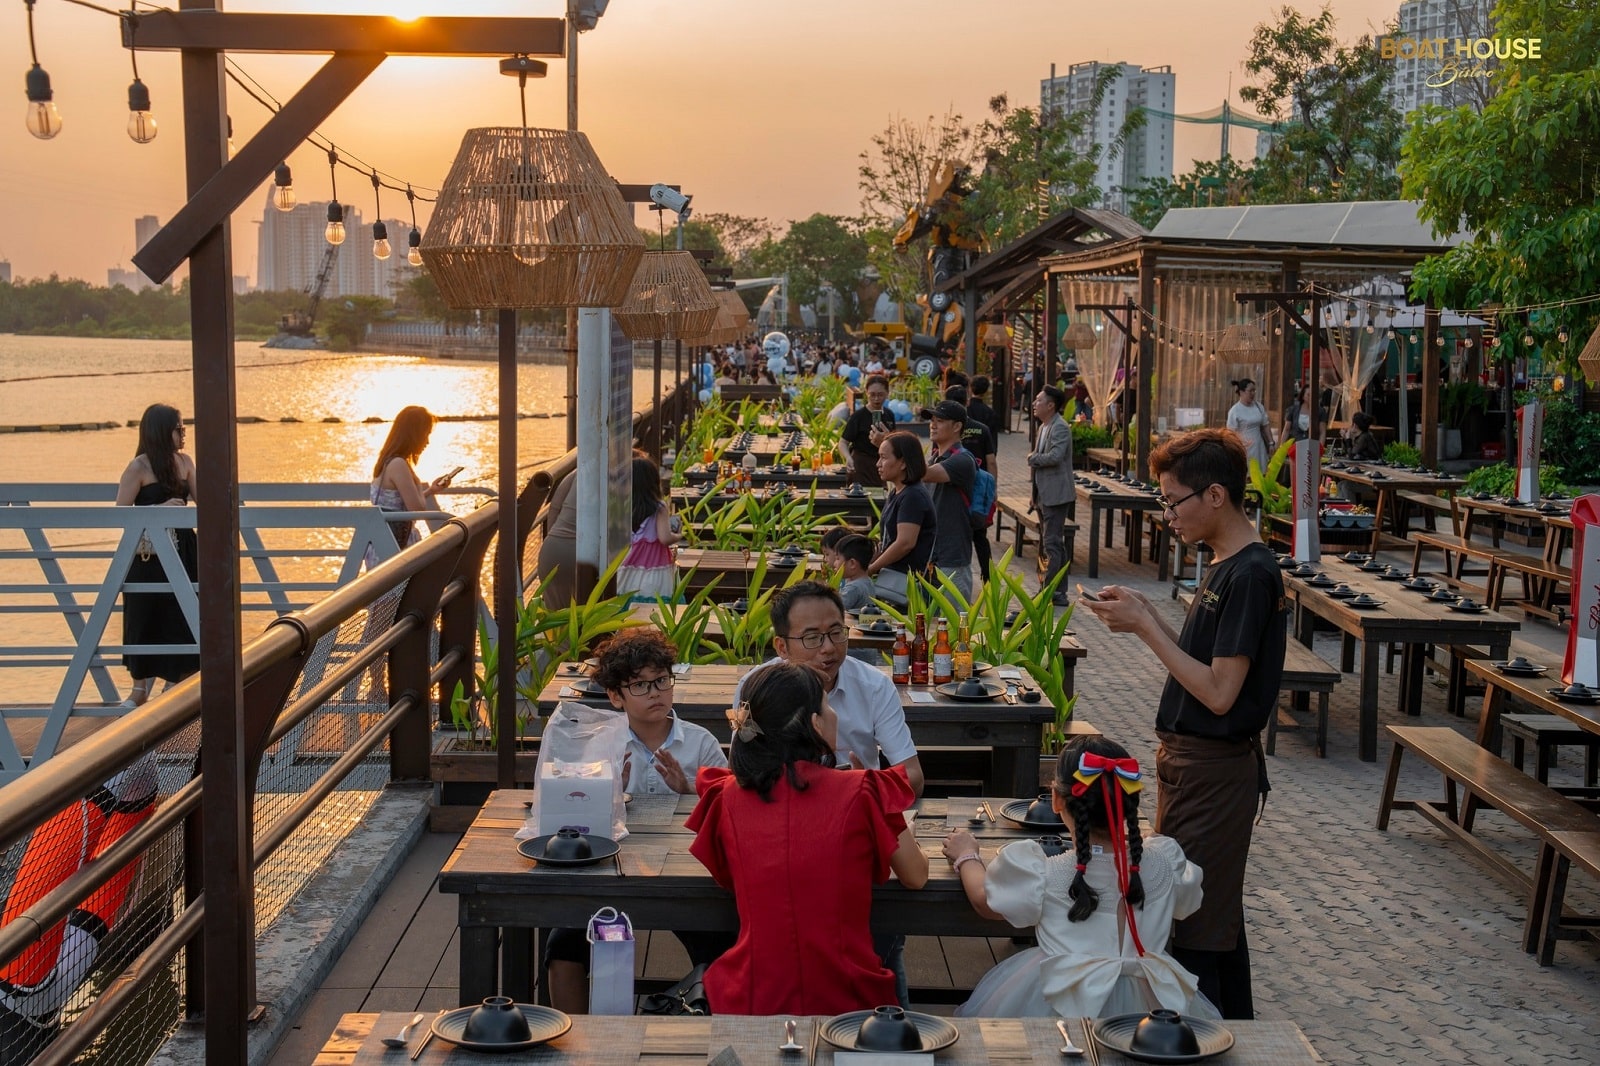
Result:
[[839, 415], [775, 346]]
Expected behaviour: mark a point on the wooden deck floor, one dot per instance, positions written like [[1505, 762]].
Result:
[[405, 955]]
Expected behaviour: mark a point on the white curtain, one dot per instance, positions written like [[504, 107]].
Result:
[[1098, 366]]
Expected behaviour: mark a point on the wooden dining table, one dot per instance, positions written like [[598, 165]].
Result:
[[737, 569], [1385, 481], [1405, 617], [829, 477], [856, 507], [596, 1040], [1109, 497], [1013, 733], [1554, 518]]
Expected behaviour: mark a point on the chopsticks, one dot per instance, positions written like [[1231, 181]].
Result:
[[1090, 1044], [988, 811]]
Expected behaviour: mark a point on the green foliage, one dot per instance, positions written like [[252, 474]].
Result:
[[1571, 440], [1276, 498], [1500, 479], [344, 321], [917, 391], [477, 716], [1212, 183], [1459, 399], [1518, 176], [547, 637], [1086, 435], [819, 252], [1399, 453]]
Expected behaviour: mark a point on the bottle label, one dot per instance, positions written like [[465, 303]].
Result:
[[902, 665], [919, 672], [942, 665]]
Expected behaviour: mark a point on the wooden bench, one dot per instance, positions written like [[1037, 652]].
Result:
[[1546, 733], [1539, 580], [1567, 832], [1027, 523], [1462, 550], [1430, 506], [1305, 672]]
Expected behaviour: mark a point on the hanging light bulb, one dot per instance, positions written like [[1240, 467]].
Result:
[[1413, 338], [1439, 341], [283, 197], [380, 241], [1370, 328], [333, 233], [44, 121], [1277, 331], [1497, 342], [141, 124], [1527, 340], [1467, 343], [1388, 334], [1562, 336], [414, 256]]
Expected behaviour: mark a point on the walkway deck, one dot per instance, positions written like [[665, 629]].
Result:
[[1384, 947]]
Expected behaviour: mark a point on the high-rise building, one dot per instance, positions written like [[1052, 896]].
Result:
[[1450, 20], [1148, 152], [291, 248], [5, 271], [145, 227]]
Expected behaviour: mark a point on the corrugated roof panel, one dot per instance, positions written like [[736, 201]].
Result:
[[1371, 223]]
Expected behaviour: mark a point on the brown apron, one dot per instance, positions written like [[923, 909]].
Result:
[[1207, 803]]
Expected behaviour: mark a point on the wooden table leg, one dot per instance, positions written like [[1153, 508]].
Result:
[[477, 973], [1378, 509], [1094, 539], [1367, 744]]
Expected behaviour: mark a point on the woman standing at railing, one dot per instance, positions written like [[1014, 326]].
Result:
[[161, 474]]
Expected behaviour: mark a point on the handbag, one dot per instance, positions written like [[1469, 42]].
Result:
[[890, 586], [688, 996]]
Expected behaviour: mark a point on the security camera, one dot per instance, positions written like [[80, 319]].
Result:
[[669, 199]]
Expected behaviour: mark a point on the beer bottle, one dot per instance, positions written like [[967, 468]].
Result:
[[942, 665], [919, 653], [901, 671], [961, 657]]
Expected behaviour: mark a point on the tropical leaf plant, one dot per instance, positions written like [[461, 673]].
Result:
[[546, 638], [1276, 498], [683, 619]]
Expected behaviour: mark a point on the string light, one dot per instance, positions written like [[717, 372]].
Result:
[[44, 120], [1527, 340], [334, 232], [414, 256], [283, 197], [1562, 336], [380, 232], [141, 124]]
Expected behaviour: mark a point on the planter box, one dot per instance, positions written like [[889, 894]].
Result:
[[453, 761]]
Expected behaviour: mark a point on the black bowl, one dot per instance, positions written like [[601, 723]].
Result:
[[497, 1021], [567, 844], [1041, 811], [1054, 844], [972, 688], [888, 1029], [1164, 1033]]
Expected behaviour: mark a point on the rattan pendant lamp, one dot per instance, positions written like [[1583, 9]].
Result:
[[669, 299], [529, 218], [1079, 336]]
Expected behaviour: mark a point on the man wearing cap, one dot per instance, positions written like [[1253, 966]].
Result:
[[952, 472]]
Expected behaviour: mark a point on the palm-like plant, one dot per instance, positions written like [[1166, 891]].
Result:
[[546, 638]]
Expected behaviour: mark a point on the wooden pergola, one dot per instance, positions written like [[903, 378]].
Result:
[[1275, 252]]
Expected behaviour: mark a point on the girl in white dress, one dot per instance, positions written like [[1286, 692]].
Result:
[[1250, 421], [1102, 912]]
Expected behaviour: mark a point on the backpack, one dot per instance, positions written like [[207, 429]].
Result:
[[985, 496]]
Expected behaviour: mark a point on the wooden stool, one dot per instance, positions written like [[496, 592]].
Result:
[[1547, 732]]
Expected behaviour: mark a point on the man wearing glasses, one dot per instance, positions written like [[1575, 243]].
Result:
[[809, 628], [1224, 670]]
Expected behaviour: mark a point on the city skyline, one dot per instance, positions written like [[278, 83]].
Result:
[[754, 107]]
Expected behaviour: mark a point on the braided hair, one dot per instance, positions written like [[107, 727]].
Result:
[[1088, 812]]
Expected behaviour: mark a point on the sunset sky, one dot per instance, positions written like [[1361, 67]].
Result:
[[756, 107]]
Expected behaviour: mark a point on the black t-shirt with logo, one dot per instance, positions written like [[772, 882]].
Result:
[[1239, 609]]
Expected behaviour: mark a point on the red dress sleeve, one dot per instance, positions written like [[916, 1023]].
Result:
[[707, 822], [888, 793]]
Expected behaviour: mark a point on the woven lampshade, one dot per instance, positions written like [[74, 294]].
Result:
[[738, 315], [729, 323], [669, 298], [1240, 337], [530, 218], [1589, 358], [1079, 335]]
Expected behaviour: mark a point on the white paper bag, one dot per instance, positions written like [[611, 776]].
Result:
[[610, 935], [580, 771], [1307, 460]]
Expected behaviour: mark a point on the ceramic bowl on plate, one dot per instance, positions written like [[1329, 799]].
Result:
[[1443, 595], [1287, 562], [1468, 607], [600, 849], [1022, 812], [1342, 592], [1118, 1033], [972, 690], [1365, 601], [543, 1024], [877, 627], [497, 1021], [1577, 692], [1356, 557], [1372, 566], [888, 1029], [934, 1032], [1321, 581], [1417, 584], [1520, 666]]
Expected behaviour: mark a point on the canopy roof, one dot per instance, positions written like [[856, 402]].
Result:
[[1364, 224]]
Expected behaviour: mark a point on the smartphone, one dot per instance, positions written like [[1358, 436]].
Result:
[[451, 476], [1085, 594]]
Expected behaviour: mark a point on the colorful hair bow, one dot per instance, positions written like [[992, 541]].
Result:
[[1091, 766], [745, 727]]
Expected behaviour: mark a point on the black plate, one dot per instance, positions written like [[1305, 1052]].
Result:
[[1477, 608], [1394, 575], [1321, 581], [992, 692], [879, 628], [603, 848], [1562, 695], [1117, 1034], [586, 686], [784, 562], [1356, 557], [1416, 585], [544, 1023], [1365, 606], [1017, 811], [1372, 566], [1520, 671], [937, 1033], [1347, 594], [798, 553]]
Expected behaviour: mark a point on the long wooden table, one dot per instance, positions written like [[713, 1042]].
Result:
[[1407, 618], [1013, 732], [627, 1041], [738, 569], [1108, 497], [864, 507], [1556, 522], [1385, 481], [829, 477]]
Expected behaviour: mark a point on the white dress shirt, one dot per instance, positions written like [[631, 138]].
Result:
[[870, 716], [692, 745]]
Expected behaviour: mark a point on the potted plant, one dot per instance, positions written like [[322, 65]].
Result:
[[1462, 405]]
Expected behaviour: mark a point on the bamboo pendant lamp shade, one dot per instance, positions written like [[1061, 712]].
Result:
[[730, 323], [669, 298], [1589, 358], [529, 218], [1240, 337], [1079, 336]]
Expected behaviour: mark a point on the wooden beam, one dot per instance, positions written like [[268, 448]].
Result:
[[204, 30], [244, 173]]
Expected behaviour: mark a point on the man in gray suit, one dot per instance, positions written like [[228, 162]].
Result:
[[1053, 490]]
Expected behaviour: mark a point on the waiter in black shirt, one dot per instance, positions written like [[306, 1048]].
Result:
[[1224, 671]]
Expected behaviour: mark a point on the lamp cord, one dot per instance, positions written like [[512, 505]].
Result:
[[32, 50]]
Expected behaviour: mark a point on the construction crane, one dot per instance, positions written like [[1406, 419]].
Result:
[[302, 323], [1226, 116]]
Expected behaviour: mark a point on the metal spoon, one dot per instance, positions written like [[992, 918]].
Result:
[[789, 1043], [405, 1034], [1068, 1048]]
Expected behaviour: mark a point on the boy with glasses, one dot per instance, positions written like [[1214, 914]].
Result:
[[1224, 672]]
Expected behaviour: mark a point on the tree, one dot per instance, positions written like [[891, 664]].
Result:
[[1209, 184], [1522, 177], [893, 178], [736, 235], [820, 252], [345, 320], [1341, 137]]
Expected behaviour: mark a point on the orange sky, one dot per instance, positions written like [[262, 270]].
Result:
[[756, 107]]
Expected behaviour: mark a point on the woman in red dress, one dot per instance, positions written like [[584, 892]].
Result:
[[800, 845]]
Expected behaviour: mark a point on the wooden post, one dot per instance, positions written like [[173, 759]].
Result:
[[1428, 371], [1140, 374]]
